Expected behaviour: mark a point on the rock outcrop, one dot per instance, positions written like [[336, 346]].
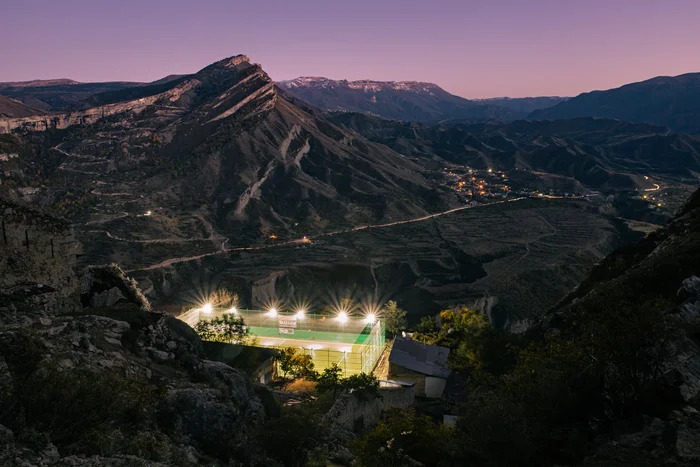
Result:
[[36, 248], [125, 386]]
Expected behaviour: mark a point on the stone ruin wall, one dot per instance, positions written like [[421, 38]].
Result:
[[352, 412], [36, 248]]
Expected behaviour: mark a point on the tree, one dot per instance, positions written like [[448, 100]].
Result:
[[297, 365], [403, 438], [363, 384], [330, 380], [291, 437], [395, 318], [428, 330], [222, 298], [229, 328]]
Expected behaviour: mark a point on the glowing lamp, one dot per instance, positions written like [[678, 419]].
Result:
[[370, 318], [233, 310], [343, 317], [207, 308], [272, 312], [301, 314]]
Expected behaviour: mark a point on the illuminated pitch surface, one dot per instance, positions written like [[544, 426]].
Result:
[[354, 344]]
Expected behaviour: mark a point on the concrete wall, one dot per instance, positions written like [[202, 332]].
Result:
[[353, 412], [400, 373], [428, 386], [434, 386], [36, 248]]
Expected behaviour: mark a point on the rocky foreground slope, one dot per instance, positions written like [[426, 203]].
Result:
[[91, 376], [643, 302]]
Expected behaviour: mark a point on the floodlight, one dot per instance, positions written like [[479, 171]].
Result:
[[207, 308]]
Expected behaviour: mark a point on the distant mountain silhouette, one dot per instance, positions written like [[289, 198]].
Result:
[[670, 101], [523, 106]]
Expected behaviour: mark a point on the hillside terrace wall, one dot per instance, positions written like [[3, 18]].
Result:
[[353, 413], [36, 248]]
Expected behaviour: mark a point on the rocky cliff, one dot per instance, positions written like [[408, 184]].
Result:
[[36, 248], [112, 383], [662, 272]]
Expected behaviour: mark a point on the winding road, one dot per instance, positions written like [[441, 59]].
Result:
[[303, 240]]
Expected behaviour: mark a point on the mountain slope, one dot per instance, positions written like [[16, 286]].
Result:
[[523, 106], [226, 141], [669, 101], [599, 153], [396, 100], [13, 108]]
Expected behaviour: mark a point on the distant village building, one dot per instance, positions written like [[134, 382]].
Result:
[[423, 364]]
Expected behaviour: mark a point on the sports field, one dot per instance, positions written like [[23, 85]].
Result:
[[354, 343]]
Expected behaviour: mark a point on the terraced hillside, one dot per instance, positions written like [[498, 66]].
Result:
[[513, 259]]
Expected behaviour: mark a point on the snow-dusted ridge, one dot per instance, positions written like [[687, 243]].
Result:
[[366, 85]]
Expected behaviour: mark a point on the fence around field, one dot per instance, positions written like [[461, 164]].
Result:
[[354, 345]]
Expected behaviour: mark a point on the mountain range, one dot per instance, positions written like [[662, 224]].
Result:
[[215, 177], [672, 101], [407, 100], [599, 153]]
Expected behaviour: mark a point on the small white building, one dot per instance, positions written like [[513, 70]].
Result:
[[423, 364]]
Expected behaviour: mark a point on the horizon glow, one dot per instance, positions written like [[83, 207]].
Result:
[[471, 48]]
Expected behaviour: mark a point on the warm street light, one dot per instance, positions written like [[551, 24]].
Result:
[[370, 318], [207, 308], [301, 314], [272, 312], [343, 317]]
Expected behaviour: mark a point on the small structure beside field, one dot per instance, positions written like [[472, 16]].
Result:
[[423, 364]]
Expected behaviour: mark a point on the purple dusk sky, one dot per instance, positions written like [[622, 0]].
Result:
[[473, 48]]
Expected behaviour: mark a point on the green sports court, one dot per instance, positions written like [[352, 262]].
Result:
[[354, 343]]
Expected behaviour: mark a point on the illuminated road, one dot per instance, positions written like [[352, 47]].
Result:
[[304, 240], [657, 187], [102, 221]]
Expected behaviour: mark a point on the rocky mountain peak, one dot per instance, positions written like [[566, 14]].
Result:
[[238, 59]]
